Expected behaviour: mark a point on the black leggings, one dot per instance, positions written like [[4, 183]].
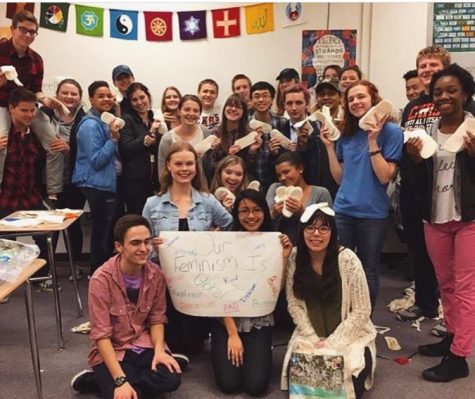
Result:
[[254, 375]]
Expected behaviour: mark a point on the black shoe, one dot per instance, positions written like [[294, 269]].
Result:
[[182, 360], [414, 312], [440, 348], [85, 382], [450, 368]]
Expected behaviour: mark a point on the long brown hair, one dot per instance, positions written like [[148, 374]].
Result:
[[166, 180], [350, 122], [163, 106], [225, 162]]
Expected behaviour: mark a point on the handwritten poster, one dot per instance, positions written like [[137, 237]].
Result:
[[454, 26], [326, 47], [220, 274]]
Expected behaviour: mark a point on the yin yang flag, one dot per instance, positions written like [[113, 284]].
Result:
[[123, 24]]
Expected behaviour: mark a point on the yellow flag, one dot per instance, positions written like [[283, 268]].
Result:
[[259, 18]]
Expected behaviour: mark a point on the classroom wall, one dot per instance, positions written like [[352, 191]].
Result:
[[389, 36]]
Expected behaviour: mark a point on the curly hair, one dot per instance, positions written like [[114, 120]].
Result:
[[464, 77]]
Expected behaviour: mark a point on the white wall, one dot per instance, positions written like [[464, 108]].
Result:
[[396, 33]]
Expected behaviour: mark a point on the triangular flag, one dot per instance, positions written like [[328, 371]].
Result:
[[226, 22], [158, 26], [192, 25], [54, 16], [89, 20], [123, 24]]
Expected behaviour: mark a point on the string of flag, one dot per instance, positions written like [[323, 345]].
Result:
[[226, 22]]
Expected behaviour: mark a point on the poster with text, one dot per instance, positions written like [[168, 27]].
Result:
[[326, 47], [219, 274]]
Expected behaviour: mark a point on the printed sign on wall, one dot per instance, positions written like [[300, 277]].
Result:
[[454, 26], [326, 47], [220, 274]]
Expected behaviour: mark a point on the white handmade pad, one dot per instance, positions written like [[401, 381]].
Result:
[[311, 209], [205, 144], [254, 185], [284, 141], [116, 93], [280, 194], [158, 116], [108, 118], [381, 109], [429, 145], [222, 192], [64, 109], [11, 74], [305, 123], [247, 140], [294, 192], [455, 142], [324, 117], [254, 124]]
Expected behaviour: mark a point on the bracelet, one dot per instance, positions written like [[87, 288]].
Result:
[[372, 153]]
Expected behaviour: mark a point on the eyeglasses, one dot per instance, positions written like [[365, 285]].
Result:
[[25, 31], [247, 211], [260, 96], [311, 228], [237, 106]]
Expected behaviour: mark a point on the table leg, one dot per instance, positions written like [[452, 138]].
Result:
[[57, 306], [30, 313], [67, 243]]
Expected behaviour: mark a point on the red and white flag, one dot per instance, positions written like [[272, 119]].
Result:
[[226, 22]]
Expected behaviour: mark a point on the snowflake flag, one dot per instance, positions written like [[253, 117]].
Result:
[[89, 20], [123, 24], [54, 16], [226, 23], [158, 26], [192, 25]]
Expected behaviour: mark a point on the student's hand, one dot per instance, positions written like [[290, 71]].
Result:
[[228, 202], [170, 118], [125, 392], [321, 344], [324, 136], [114, 130], [274, 145], [161, 357], [3, 79], [216, 142], [286, 245], [302, 137], [235, 350], [154, 126], [293, 146], [234, 149], [413, 149], [294, 205], [156, 242], [3, 140], [469, 143], [257, 144], [59, 145], [375, 127], [149, 140]]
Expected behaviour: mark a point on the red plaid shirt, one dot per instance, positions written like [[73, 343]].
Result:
[[20, 183], [29, 68]]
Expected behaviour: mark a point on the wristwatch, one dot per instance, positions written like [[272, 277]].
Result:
[[119, 381]]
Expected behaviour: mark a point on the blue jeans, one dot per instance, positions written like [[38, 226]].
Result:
[[102, 205], [366, 237]]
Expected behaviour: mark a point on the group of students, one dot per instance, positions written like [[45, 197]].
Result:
[[138, 168]]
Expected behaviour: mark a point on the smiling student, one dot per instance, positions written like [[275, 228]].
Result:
[[363, 164], [208, 93], [170, 99]]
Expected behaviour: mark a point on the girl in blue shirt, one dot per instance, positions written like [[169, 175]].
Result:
[[363, 163]]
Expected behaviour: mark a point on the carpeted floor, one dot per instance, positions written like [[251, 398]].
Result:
[[16, 375]]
